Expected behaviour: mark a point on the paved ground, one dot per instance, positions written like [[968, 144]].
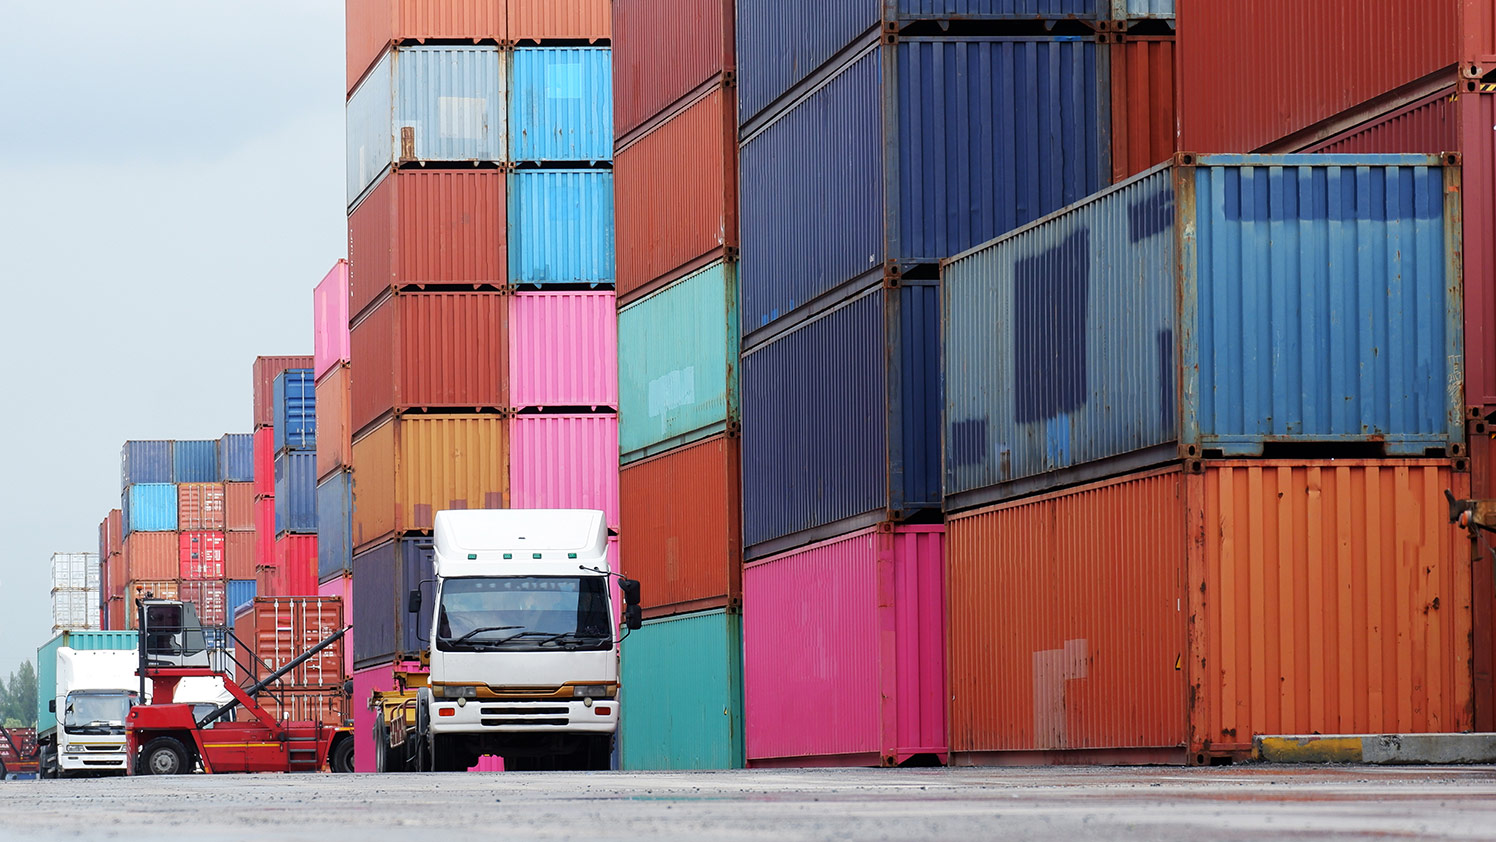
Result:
[[961, 804]]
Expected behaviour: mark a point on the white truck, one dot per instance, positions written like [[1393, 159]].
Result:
[[522, 650]]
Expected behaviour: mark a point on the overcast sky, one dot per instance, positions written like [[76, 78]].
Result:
[[171, 189]]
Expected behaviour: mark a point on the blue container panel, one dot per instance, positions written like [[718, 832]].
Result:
[[561, 227], [195, 461], [295, 409], [145, 461], [917, 485], [334, 525], [296, 492], [376, 608], [236, 457], [417, 565], [1150, 8], [240, 593], [149, 507], [561, 104]]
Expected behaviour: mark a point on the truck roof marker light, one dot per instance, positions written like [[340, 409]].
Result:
[[508, 556], [534, 555], [472, 556], [571, 555]]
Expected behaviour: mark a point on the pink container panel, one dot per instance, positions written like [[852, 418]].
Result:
[[265, 462], [564, 462], [563, 349], [365, 682], [330, 320], [844, 655], [342, 586]]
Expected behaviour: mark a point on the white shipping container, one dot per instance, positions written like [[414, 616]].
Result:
[[75, 609], [75, 571]]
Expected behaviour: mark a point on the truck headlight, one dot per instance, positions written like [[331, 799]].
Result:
[[591, 691], [454, 692]]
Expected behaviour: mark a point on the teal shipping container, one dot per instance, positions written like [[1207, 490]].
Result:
[[46, 665], [677, 372], [561, 228], [682, 702], [149, 507]]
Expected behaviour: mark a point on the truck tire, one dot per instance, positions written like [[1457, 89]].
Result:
[[163, 756], [341, 761], [381, 745], [424, 749], [47, 765]]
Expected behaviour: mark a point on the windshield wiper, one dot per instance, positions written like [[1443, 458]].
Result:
[[450, 641], [579, 638], [524, 634]]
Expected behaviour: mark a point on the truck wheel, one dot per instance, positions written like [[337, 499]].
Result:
[[163, 756], [45, 769], [342, 756], [381, 745]]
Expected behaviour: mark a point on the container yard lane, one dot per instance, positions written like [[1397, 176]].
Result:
[[1049, 803]]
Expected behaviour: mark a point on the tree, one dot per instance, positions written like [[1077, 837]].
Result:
[[22, 686]]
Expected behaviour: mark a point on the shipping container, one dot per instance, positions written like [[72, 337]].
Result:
[[564, 462], [841, 419], [982, 136], [563, 350], [677, 364], [268, 576], [201, 506], [75, 610], [341, 586], [145, 462], [75, 571], [151, 556], [239, 506], [296, 565], [210, 597], [1230, 599], [265, 462], [427, 104], [330, 321], [240, 593], [561, 227], [284, 628], [437, 228], [334, 426], [365, 682], [334, 525], [149, 507], [372, 25], [1068, 344], [265, 532], [383, 577], [329, 707], [241, 553], [201, 555], [295, 400], [236, 457], [1133, 10], [116, 611], [266, 369], [116, 573], [561, 104], [683, 704], [296, 492], [1142, 77], [676, 196], [46, 665], [411, 467], [152, 589], [429, 351], [195, 461], [663, 53], [112, 533], [559, 20]]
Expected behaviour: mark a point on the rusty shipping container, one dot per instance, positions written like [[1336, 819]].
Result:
[[284, 628], [559, 20], [200, 506], [676, 196], [664, 52], [200, 555], [410, 467], [150, 556], [429, 351], [239, 506], [240, 554], [1143, 106], [263, 374], [682, 515], [334, 425], [438, 228], [1227, 599], [372, 25]]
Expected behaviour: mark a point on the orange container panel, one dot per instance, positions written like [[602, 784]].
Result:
[[116, 574], [411, 467], [151, 556], [681, 517], [239, 506], [334, 428], [116, 613], [373, 24], [286, 627], [329, 707], [240, 554], [560, 20], [200, 506], [1142, 104]]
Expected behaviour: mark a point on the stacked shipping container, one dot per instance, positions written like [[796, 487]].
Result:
[[75, 591], [285, 516], [334, 500]]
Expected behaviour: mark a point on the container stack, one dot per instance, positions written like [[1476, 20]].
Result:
[[75, 592], [276, 630], [270, 406], [676, 193], [334, 443], [111, 571]]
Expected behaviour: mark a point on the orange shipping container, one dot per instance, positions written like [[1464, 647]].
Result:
[[560, 20], [1172, 615], [200, 506], [238, 506], [240, 551], [430, 350], [116, 574], [681, 514], [410, 467], [373, 24], [116, 613], [326, 706], [135, 591], [334, 432], [151, 555], [1142, 103]]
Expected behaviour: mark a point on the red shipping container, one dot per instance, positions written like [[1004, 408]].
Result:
[[373, 24], [263, 374], [116, 612], [285, 627], [559, 20], [238, 506], [267, 579], [431, 351], [116, 574], [211, 598], [200, 506], [265, 462], [151, 556], [427, 227], [676, 194], [201, 555], [334, 429], [240, 554], [1142, 103], [265, 531], [296, 558], [111, 534], [665, 51]]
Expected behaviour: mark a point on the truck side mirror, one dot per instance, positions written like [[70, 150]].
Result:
[[413, 604], [630, 588], [633, 617], [51, 706]]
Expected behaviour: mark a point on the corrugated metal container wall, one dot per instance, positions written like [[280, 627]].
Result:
[[296, 560], [210, 599], [46, 664], [341, 586], [821, 442], [236, 457], [150, 556], [684, 676], [330, 320], [436, 227], [682, 512], [240, 554], [1142, 74], [815, 214], [240, 593], [150, 507], [373, 24], [114, 530], [238, 506], [844, 651], [195, 461], [287, 627], [434, 103], [329, 707], [1062, 347], [677, 356], [200, 505], [265, 462], [74, 610], [561, 104], [200, 555], [334, 426], [429, 350], [1143, 8], [295, 397], [664, 51], [75, 571], [116, 574], [296, 492], [411, 467], [334, 525], [559, 20], [563, 349], [265, 532], [365, 683], [266, 369], [145, 461], [382, 578], [116, 613], [561, 227], [564, 462], [676, 194]]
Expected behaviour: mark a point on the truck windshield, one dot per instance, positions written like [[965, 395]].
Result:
[[523, 613], [96, 711]]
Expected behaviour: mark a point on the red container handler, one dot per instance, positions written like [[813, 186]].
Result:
[[263, 376], [264, 484], [201, 555]]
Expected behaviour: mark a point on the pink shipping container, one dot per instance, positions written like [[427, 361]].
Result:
[[843, 651], [365, 682], [201, 555], [330, 320], [342, 586], [296, 558], [563, 349], [265, 462], [211, 598], [564, 462]]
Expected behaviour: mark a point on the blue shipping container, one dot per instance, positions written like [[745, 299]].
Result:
[[561, 227], [1209, 309], [561, 104], [149, 507], [145, 461], [682, 703], [382, 579], [240, 592], [334, 525], [294, 394], [841, 420], [236, 457], [195, 461], [296, 492], [973, 137]]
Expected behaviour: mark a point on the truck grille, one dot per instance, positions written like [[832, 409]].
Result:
[[527, 720], [522, 710]]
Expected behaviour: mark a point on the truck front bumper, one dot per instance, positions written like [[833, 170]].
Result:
[[488, 715], [93, 757]]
